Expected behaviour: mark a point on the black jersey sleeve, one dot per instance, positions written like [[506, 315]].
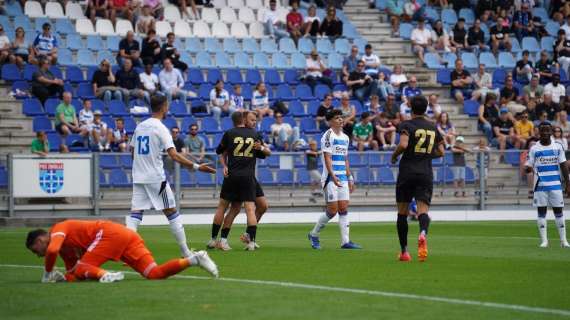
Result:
[[406, 128], [223, 144]]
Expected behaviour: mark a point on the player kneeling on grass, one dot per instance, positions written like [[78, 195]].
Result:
[[86, 245], [336, 180], [546, 159], [420, 142]]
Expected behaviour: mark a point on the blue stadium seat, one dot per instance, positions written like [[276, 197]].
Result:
[[513, 158], [95, 43], [279, 60], [186, 123], [203, 60], [11, 72], [223, 61], [193, 45], [170, 122], [186, 179], [126, 161], [108, 161], [364, 176], [304, 92], [324, 46], [272, 77], [3, 178], [85, 58], [204, 179], [552, 28], [50, 106], [432, 61], [541, 13], [260, 61], [39, 22], [226, 124], [449, 17], [470, 60], [56, 71], [516, 45], [312, 107], [118, 108], [431, 13], [85, 91], [118, 179], [444, 174], [469, 175], [406, 31], [284, 92], [24, 22], [321, 90], [231, 45], [284, 177], [42, 123], [268, 46], [74, 74], [266, 124], [342, 46], [130, 124], [499, 76], [250, 45], [212, 45], [214, 75], [28, 72], [355, 160], [303, 177], [265, 176], [22, 86], [64, 26], [471, 108], [386, 176], [297, 109], [204, 91], [112, 43], [102, 179], [13, 8], [97, 104], [178, 108], [195, 76], [234, 76], [74, 42], [286, 45], [210, 125], [32, 107], [252, 76], [309, 126], [298, 61], [506, 60], [547, 43], [241, 60], [349, 31], [305, 45], [468, 15], [450, 58], [291, 76], [530, 44], [65, 57], [335, 61], [488, 59]]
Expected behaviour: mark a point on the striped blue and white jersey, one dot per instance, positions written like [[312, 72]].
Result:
[[337, 146], [546, 160]]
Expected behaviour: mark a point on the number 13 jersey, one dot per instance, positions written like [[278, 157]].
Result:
[[423, 141], [150, 139]]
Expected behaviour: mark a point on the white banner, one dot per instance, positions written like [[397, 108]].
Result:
[[51, 177]]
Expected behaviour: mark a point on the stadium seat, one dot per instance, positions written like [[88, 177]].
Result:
[[236, 4], [298, 61], [304, 92], [254, 4], [499, 76], [386, 176], [201, 29], [468, 15], [547, 43], [268, 46], [209, 15], [223, 60], [513, 158], [309, 126], [291, 76], [204, 91], [104, 27], [187, 122], [231, 45], [94, 42], [305, 45], [449, 17], [85, 91], [406, 31], [226, 124], [56, 71], [285, 177], [123, 26], [118, 179], [178, 108], [321, 90], [260, 61], [182, 29], [32, 107], [469, 175], [342, 46], [471, 108], [84, 27], [250, 45], [432, 61], [170, 122], [234, 76], [506, 60], [552, 28], [203, 60], [445, 175], [20, 85], [279, 61], [252, 76], [210, 126], [117, 108], [126, 161], [74, 11], [97, 104], [24, 22], [273, 78], [324, 46], [109, 56], [286, 45], [516, 47], [33, 9], [13, 8], [265, 176], [64, 26], [54, 10], [238, 30], [541, 13], [469, 60], [228, 15], [450, 58], [204, 179], [3, 178], [212, 45], [220, 30], [11, 72], [530, 44], [214, 75], [108, 161], [335, 61], [85, 58], [284, 92], [193, 45], [431, 13], [163, 28], [488, 59], [172, 14], [113, 43], [246, 15], [65, 57], [42, 123], [297, 109], [29, 70], [256, 30]]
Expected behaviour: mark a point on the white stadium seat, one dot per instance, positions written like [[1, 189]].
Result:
[[74, 11], [219, 3], [54, 10], [84, 27], [123, 26], [254, 4], [220, 30], [260, 14], [228, 15], [246, 15], [201, 29], [235, 4], [172, 14], [210, 15], [238, 30], [182, 29], [104, 27], [33, 9], [256, 30], [282, 13], [163, 28]]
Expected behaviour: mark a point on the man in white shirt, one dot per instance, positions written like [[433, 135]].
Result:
[[434, 108], [148, 79], [220, 101], [86, 116], [4, 45], [99, 132], [171, 82], [283, 134], [274, 26], [421, 40], [555, 89], [315, 68], [483, 84], [371, 62]]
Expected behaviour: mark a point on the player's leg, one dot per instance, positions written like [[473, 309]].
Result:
[[424, 221], [330, 212], [344, 224], [235, 208], [139, 202], [251, 224], [556, 200], [404, 196], [542, 224], [217, 222], [89, 268]]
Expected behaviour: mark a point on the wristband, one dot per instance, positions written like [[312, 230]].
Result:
[[195, 166]]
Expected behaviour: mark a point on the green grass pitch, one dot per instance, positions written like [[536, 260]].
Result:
[[496, 263]]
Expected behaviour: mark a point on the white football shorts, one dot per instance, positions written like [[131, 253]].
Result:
[[152, 195], [334, 193], [553, 199]]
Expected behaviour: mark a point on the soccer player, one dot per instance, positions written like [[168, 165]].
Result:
[[336, 180], [150, 187], [420, 142], [86, 245], [546, 159]]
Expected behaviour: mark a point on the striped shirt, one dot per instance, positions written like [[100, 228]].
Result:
[[44, 44], [337, 146], [546, 160]]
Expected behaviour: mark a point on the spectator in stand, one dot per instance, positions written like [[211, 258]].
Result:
[[390, 111], [371, 62], [485, 10], [458, 166], [44, 83], [500, 37], [395, 10], [523, 25], [260, 101], [459, 4], [488, 114], [322, 111], [331, 26], [483, 83], [524, 130], [129, 49], [476, 38], [461, 82], [559, 137], [505, 14], [434, 108], [563, 123], [313, 154], [103, 82], [156, 8], [362, 134], [66, 120], [45, 45], [361, 84], [40, 144], [373, 107], [547, 106], [562, 51], [86, 116], [406, 110], [4, 46], [555, 89], [446, 129], [558, 10], [284, 136], [384, 87], [440, 38], [524, 68], [411, 90], [220, 101], [236, 99], [348, 114], [349, 63], [314, 71], [122, 9], [195, 145], [21, 52], [274, 27], [311, 23], [183, 7], [398, 79], [99, 133], [544, 67], [145, 22], [295, 22], [171, 82], [118, 138], [148, 79], [413, 10], [511, 96], [97, 8], [421, 40], [151, 48], [459, 36], [566, 27], [386, 129], [169, 51], [532, 93], [505, 137], [128, 80]]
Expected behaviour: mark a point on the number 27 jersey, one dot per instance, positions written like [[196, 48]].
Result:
[[149, 141], [423, 140]]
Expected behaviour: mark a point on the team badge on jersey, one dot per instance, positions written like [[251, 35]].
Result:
[[51, 177]]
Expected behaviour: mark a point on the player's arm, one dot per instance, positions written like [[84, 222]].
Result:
[[174, 155], [224, 163], [439, 151], [328, 165], [351, 185], [402, 146]]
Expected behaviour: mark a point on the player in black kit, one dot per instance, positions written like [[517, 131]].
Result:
[[420, 143]]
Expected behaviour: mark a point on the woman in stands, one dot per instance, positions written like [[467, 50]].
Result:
[[312, 22], [331, 26], [21, 52], [151, 47], [398, 79], [446, 129], [440, 38], [260, 101]]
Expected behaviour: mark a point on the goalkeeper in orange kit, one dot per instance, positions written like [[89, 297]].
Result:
[[86, 245]]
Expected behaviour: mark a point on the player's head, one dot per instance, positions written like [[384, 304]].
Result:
[[250, 118], [37, 241], [545, 131], [159, 104], [334, 118], [237, 119], [419, 105]]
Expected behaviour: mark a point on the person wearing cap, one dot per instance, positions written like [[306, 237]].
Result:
[[522, 23], [45, 44], [274, 26], [458, 166], [524, 130], [459, 35], [544, 67], [504, 131], [555, 89], [524, 68], [314, 71], [421, 40], [99, 133]]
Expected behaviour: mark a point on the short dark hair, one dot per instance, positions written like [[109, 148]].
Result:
[[333, 113], [33, 235], [237, 118], [525, 52], [368, 46], [461, 20], [544, 124], [120, 120], [156, 102], [365, 115], [46, 25], [193, 125], [170, 34], [175, 127], [419, 105]]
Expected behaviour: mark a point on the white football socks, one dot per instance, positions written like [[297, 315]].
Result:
[[323, 220], [177, 229], [344, 226], [134, 219], [561, 228], [541, 222]]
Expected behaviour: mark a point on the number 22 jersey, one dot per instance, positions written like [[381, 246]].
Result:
[[239, 142], [150, 139], [423, 139]]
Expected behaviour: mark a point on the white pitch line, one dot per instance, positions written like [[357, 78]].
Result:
[[492, 305]]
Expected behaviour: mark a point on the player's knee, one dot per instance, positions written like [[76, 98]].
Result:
[[541, 212], [169, 211], [155, 274], [557, 212]]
